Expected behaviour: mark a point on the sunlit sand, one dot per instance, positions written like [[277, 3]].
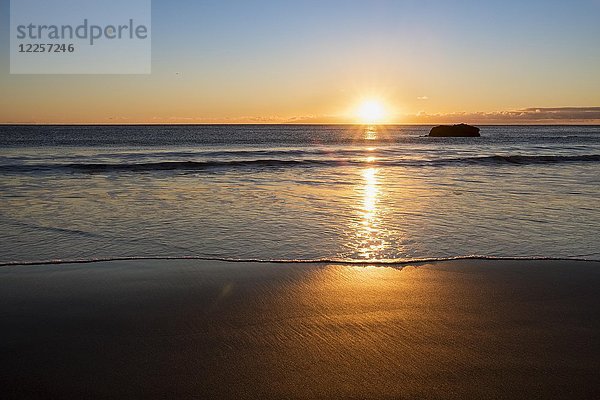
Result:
[[180, 329]]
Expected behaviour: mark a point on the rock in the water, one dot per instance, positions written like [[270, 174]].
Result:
[[461, 130]]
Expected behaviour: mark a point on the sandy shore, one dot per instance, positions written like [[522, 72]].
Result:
[[181, 329]]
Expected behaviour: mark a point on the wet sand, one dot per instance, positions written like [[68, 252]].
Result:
[[198, 329]]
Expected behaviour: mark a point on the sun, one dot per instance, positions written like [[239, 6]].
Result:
[[371, 112]]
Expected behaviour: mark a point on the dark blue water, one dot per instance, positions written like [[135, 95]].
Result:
[[298, 192]]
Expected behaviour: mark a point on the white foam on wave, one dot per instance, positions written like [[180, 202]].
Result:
[[386, 262]]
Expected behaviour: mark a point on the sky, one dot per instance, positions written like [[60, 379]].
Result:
[[307, 61]]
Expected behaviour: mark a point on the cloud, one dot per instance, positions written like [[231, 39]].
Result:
[[563, 113], [423, 98], [524, 116], [532, 115]]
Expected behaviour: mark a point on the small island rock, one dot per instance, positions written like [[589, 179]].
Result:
[[461, 130]]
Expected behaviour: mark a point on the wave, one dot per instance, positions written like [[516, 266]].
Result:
[[533, 159], [162, 166], [386, 262], [282, 163]]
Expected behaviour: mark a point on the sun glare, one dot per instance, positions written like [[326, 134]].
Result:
[[371, 112]]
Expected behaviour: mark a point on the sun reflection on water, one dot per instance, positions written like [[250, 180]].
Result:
[[371, 133], [371, 244]]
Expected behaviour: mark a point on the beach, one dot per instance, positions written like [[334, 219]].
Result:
[[208, 329], [300, 200]]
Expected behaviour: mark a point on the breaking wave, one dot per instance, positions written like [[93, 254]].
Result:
[[297, 162]]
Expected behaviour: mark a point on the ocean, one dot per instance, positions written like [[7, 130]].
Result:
[[296, 192]]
